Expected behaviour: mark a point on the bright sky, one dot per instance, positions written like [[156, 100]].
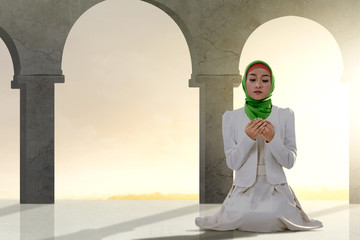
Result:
[[126, 121]]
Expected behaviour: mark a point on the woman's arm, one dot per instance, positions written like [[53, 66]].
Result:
[[236, 153], [285, 152]]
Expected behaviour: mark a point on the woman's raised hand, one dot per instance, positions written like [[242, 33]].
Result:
[[255, 127], [269, 132]]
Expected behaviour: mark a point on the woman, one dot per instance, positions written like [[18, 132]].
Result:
[[259, 140]]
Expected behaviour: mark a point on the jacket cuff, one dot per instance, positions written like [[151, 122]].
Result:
[[247, 142], [275, 142]]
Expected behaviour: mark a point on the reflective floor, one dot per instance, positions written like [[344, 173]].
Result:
[[152, 219]]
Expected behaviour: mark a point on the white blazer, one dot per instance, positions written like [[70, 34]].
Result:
[[241, 151]]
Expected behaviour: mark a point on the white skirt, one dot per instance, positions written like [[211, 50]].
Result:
[[262, 207]]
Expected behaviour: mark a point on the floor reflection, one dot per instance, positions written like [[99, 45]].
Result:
[[100, 233], [15, 208], [36, 221], [155, 220], [354, 221]]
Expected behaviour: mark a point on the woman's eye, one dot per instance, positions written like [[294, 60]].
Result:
[[251, 80], [265, 80]]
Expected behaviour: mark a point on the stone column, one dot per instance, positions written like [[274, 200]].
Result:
[[354, 152], [216, 96], [36, 136]]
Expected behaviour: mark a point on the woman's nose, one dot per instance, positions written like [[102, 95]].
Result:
[[258, 84]]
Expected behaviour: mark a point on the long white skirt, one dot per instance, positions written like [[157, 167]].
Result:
[[260, 208]]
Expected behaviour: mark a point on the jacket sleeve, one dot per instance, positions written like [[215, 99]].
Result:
[[285, 152], [236, 152]]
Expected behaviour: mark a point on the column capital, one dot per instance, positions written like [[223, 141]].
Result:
[[23, 79], [220, 81]]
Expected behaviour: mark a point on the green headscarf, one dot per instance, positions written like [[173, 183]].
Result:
[[258, 108]]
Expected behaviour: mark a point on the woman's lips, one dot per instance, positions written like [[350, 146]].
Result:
[[257, 92]]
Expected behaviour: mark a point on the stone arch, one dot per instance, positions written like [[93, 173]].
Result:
[[172, 14], [12, 49], [118, 47], [181, 24], [333, 26], [84, 8], [332, 32], [346, 33], [215, 61], [281, 53], [215, 32], [285, 16]]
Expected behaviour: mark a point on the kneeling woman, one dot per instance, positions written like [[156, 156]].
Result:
[[259, 140]]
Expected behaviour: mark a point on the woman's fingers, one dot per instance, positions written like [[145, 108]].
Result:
[[268, 122], [259, 129], [253, 123], [260, 124], [250, 123], [265, 130]]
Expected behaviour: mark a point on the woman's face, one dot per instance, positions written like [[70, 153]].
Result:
[[258, 83]]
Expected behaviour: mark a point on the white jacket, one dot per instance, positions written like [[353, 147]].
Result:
[[241, 151]]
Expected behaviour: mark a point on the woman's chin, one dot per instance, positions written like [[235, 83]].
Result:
[[258, 98]]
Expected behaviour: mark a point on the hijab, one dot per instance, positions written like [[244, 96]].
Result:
[[258, 108]]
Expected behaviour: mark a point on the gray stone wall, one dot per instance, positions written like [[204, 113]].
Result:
[[35, 32]]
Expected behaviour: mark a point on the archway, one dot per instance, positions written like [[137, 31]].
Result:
[[134, 133], [307, 65], [9, 122]]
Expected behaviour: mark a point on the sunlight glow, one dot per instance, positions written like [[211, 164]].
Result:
[[307, 66]]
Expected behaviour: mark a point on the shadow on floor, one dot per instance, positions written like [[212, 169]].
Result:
[[100, 233], [218, 235], [15, 208], [343, 207], [208, 234], [103, 232]]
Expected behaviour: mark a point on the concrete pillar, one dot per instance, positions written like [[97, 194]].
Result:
[[354, 152], [36, 136], [216, 96]]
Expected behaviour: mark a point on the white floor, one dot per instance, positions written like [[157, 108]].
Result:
[[160, 220]]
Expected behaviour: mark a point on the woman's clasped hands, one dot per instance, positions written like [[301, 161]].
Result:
[[261, 127]]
